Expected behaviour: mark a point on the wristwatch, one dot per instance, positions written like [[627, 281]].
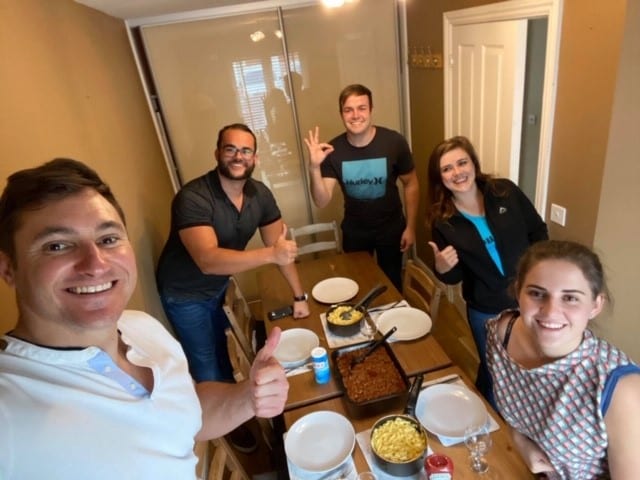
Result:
[[301, 298]]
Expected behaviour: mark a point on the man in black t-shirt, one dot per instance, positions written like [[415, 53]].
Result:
[[366, 161]]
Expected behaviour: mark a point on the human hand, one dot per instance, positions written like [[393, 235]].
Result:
[[318, 151], [445, 259], [300, 309], [285, 251], [534, 457], [407, 240], [269, 386]]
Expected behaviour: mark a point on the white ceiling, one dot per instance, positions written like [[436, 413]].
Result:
[[128, 9]]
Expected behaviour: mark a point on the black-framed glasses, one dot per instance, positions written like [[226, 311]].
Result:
[[232, 150]]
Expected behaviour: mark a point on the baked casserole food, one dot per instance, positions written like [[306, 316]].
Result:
[[376, 377]]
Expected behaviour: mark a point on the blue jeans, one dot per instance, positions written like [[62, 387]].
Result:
[[199, 326], [477, 322]]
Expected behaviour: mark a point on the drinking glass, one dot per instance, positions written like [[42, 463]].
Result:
[[367, 327], [478, 440]]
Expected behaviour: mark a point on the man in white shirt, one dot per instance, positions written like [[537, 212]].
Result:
[[87, 389]]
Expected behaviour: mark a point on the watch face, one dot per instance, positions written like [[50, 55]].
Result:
[[301, 298]]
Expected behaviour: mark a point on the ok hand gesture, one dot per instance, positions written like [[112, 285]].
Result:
[[318, 151]]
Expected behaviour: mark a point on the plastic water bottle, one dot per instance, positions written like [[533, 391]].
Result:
[[320, 365]]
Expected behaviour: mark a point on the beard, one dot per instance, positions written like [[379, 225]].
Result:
[[225, 171]]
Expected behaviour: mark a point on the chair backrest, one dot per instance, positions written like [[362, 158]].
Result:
[[316, 233], [217, 461], [420, 288], [225, 463], [240, 318], [240, 363]]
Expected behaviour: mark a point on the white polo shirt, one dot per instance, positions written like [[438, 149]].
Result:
[[73, 414]]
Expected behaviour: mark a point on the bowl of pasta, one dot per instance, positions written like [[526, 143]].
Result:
[[399, 442]]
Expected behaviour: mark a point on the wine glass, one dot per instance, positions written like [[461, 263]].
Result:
[[478, 440]]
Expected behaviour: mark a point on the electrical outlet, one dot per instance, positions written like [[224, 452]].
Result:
[[558, 214]]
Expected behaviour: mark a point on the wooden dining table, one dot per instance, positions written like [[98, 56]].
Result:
[[417, 356], [504, 461]]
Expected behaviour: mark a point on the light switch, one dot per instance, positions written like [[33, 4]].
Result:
[[558, 214]]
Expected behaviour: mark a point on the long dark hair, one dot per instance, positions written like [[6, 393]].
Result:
[[441, 206]]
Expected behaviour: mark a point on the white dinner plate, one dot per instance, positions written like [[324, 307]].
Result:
[[335, 290], [411, 322], [320, 441], [447, 409], [295, 347]]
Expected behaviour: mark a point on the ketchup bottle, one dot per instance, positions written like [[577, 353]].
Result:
[[438, 467]]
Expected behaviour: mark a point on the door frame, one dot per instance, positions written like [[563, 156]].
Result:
[[516, 10]]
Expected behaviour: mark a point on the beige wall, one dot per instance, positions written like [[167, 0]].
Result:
[[70, 88], [618, 225]]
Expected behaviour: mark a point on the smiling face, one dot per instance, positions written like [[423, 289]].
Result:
[[556, 304], [457, 171], [236, 155], [74, 268], [356, 115]]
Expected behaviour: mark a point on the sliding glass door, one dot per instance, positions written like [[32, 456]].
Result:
[[279, 71]]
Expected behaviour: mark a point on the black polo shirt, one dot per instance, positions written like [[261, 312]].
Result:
[[203, 202]]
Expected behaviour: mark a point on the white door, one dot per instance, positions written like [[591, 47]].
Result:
[[487, 62]]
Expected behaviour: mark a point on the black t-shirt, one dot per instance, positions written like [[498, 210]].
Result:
[[368, 176], [203, 202]]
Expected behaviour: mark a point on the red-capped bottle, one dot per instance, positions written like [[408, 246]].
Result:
[[438, 467]]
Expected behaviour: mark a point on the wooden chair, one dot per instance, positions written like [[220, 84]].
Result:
[[240, 318], [225, 463], [309, 237], [420, 288], [217, 461]]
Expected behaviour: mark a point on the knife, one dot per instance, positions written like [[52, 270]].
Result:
[[454, 377]]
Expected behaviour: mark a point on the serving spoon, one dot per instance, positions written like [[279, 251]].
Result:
[[360, 358], [364, 303]]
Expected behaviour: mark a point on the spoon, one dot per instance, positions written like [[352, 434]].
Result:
[[360, 358], [366, 300]]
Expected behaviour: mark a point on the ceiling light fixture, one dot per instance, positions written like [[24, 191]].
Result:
[[257, 36], [333, 3]]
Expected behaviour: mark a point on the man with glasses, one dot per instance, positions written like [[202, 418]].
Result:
[[213, 217]]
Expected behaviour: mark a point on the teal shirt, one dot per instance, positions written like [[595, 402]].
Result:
[[480, 222]]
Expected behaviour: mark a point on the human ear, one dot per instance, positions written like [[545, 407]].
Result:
[[6, 269], [597, 307]]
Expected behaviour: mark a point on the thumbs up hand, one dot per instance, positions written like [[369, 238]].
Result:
[[445, 259], [285, 250], [269, 385]]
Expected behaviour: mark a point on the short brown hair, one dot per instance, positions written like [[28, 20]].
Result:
[[33, 188], [237, 126], [351, 90]]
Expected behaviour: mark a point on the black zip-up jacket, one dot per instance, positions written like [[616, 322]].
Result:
[[515, 225]]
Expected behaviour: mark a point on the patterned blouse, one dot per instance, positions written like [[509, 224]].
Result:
[[560, 405]]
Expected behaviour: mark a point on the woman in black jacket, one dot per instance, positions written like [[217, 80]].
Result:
[[480, 227]]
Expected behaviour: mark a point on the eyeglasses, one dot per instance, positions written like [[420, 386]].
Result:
[[232, 150]]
